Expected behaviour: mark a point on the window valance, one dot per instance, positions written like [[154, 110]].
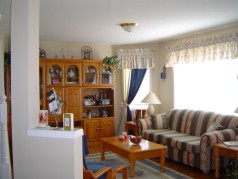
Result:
[[214, 48], [136, 58]]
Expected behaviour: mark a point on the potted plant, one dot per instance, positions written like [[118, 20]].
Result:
[[110, 63], [232, 170]]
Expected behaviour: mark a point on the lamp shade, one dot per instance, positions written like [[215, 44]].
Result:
[[151, 98]]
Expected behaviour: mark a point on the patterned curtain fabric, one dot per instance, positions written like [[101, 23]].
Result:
[[136, 58], [219, 47]]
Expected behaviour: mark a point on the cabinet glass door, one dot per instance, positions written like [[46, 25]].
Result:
[[72, 74], [90, 74], [55, 74], [106, 77]]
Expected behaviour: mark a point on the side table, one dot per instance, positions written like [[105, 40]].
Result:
[[130, 125], [225, 151]]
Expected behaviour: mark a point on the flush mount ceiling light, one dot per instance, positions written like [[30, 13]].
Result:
[[129, 26]]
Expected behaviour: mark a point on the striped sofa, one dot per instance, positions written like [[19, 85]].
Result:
[[190, 134]]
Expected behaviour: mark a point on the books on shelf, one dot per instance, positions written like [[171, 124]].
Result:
[[231, 143]]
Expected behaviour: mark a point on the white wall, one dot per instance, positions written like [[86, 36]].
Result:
[[34, 157], [74, 49]]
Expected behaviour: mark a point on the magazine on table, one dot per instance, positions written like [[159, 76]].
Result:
[[231, 143], [54, 102]]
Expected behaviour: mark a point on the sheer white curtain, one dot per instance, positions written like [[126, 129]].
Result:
[[5, 164], [126, 76], [207, 86], [214, 48], [209, 80]]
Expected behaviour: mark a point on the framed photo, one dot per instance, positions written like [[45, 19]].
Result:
[[86, 53], [95, 113]]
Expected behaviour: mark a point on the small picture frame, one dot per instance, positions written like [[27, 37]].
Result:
[[95, 113], [86, 53]]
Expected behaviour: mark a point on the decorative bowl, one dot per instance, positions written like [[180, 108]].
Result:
[[135, 139]]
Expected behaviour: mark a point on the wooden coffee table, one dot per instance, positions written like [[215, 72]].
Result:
[[126, 149]]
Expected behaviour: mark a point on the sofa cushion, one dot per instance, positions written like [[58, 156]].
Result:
[[173, 139], [145, 123], [215, 126], [187, 143], [159, 121]]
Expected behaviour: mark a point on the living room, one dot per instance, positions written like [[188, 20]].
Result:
[[163, 88]]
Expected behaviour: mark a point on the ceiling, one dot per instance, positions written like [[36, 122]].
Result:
[[97, 21]]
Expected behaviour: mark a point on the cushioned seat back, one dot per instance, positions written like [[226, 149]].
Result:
[[192, 122], [199, 121], [229, 121], [177, 119]]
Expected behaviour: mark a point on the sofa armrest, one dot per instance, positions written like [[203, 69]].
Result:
[[207, 142]]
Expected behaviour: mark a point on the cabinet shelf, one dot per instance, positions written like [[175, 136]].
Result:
[[98, 106]]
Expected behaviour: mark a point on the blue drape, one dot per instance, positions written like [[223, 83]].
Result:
[[137, 76]]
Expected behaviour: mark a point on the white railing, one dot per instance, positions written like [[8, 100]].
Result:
[[5, 164]]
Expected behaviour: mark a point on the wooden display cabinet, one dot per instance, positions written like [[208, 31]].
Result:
[[87, 91], [65, 77]]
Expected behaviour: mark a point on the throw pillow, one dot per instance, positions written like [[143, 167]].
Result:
[[144, 123], [159, 121], [215, 126]]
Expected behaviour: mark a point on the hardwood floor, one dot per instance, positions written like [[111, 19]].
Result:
[[187, 170]]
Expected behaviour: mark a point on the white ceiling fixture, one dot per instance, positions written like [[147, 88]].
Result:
[[129, 26]]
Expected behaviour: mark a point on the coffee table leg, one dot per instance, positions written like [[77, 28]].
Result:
[[162, 159], [102, 152], [132, 169]]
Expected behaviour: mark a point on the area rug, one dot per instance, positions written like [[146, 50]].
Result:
[[144, 169]]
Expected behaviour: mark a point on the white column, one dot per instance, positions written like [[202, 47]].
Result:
[[5, 164], [34, 157]]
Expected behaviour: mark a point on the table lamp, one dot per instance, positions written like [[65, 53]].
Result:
[[152, 99]]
